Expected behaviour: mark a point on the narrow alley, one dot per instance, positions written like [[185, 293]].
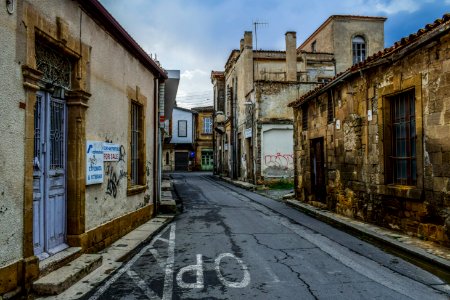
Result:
[[230, 243]]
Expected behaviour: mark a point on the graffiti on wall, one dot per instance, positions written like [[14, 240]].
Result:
[[279, 160], [279, 165], [114, 179]]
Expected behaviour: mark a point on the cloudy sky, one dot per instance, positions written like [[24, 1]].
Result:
[[196, 36]]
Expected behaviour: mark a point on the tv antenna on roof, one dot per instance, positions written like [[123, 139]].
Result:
[[257, 24]]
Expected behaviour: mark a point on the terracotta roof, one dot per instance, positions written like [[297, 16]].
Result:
[[376, 58], [219, 74], [98, 12], [335, 17], [203, 108]]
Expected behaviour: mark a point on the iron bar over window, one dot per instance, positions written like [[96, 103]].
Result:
[[305, 117], [136, 142], [404, 138]]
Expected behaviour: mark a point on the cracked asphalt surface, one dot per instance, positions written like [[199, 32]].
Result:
[[234, 244]]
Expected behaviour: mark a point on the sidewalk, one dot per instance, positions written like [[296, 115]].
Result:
[[406, 245], [114, 257], [110, 259]]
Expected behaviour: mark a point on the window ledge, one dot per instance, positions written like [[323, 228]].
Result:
[[404, 191], [136, 189]]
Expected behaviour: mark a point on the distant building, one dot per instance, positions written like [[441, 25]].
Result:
[[374, 143], [179, 147], [253, 126], [203, 138]]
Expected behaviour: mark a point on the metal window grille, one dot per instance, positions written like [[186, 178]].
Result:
[[359, 49], [305, 117], [404, 138], [207, 125], [56, 68], [57, 131], [330, 112], [136, 142]]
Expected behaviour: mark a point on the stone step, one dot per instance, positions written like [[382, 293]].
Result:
[[168, 205], [166, 185], [59, 280], [58, 260]]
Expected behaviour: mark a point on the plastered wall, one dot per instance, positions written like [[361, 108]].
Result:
[[12, 122]]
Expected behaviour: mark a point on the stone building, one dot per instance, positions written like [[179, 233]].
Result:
[[374, 143], [350, 38], [218, 82], [203, 138], [254, 131], [78, 131], [179, 146]]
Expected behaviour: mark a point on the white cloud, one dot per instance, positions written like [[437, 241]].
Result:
[[197, 36], [393, 7]]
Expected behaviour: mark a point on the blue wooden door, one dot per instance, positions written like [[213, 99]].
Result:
[[49, 186]]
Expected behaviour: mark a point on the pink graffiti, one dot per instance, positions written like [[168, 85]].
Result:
[[279, 160]]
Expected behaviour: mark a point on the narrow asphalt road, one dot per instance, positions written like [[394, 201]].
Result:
[[234, 244]]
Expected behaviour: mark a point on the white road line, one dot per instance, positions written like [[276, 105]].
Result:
[[168, 279], [158, 258], [142, 285], [128, 265], [198, 269], [243, 283], [273, 275]]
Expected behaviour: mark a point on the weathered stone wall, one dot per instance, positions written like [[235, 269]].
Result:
[[12, 134], [356, 176]]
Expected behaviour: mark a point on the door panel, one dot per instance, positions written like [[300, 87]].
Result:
[[38, 178], [318, 186], [49, 186], [181, 161]]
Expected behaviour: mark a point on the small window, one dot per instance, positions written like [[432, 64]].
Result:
[[167, 158], [207, 125], [359, 49], [137, 143], [182, 128], [305, 117], [313, 46]]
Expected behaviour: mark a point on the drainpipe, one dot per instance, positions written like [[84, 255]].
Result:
[[156, 149]]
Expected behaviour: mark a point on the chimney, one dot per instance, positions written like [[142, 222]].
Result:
[[247, 54], [248, 42], [291, 56]]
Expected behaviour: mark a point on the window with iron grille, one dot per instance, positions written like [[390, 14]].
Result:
[[207, 125], [330, 107], [402, 153], [305, 117], [137, 149], [359, 49]]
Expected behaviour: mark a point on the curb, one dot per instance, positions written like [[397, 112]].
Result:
[[411, 251]]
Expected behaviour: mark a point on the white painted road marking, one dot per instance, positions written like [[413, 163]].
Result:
[[198, 269], [245, 281], [167, 293], [142, 285], [168, 279]]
